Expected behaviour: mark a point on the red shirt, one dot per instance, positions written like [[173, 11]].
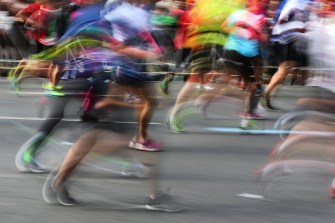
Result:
[[37, 15], [30, 9]]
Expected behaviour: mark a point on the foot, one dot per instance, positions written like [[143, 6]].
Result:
[[162, 89], [175, 125], [53, 195], [34, 167], [250, 124], [64, 197], [49, 193], [163, 202], [265, 103], [146, 145], [31, 164]]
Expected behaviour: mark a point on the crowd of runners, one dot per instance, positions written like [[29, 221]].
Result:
[[229, 48]]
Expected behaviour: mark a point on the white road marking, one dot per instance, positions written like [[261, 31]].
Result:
[[8, 102], [253, 196], [68, 120]]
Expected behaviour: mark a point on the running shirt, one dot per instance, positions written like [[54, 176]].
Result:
[[30, 9], [321, 47], [291, 17], [126, 26], [44, 20], [81, 19], [244, 38], [206, 19], [129, 24]]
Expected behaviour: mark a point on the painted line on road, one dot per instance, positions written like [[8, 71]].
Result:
[[8, 102], [69, 120], [33, 119], [8, 204], [269, 131], [11, 176], [125, 180], [25, 92], [31, 93], [253, 196], [151, 123]]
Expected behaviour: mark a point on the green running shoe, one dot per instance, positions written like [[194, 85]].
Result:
[[176, 126]]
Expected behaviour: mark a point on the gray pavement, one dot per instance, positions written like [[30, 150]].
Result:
[[207, 171]]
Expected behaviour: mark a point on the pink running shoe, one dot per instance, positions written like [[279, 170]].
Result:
[[147, 145]]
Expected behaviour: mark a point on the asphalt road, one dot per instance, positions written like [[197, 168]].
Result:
[[211, 173]]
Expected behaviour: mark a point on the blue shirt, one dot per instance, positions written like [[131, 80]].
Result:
[[241, 39], [81, 19]]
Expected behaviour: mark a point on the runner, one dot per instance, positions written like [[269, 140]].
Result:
[[26, 157], [134, 50], [206, 39], [103, 141], [289, 43], [315, 112], [243, 50], [180, 52]]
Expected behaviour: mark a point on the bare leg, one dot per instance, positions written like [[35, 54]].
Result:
[[103, 142], [18, 69], [149, 105], [93, 141], [54, 73], [187, 90], [279, 76], [145, 108]]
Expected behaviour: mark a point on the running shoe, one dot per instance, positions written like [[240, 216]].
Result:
[[163, 202], [64, 198], [147, 145], [48, 192], [31, 164], [250, 124], [49, 86], [256, 116], [34, 167], [265, 103], [332, 189], [54, 93], [52, 195], [175, 125], [162, 89]]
